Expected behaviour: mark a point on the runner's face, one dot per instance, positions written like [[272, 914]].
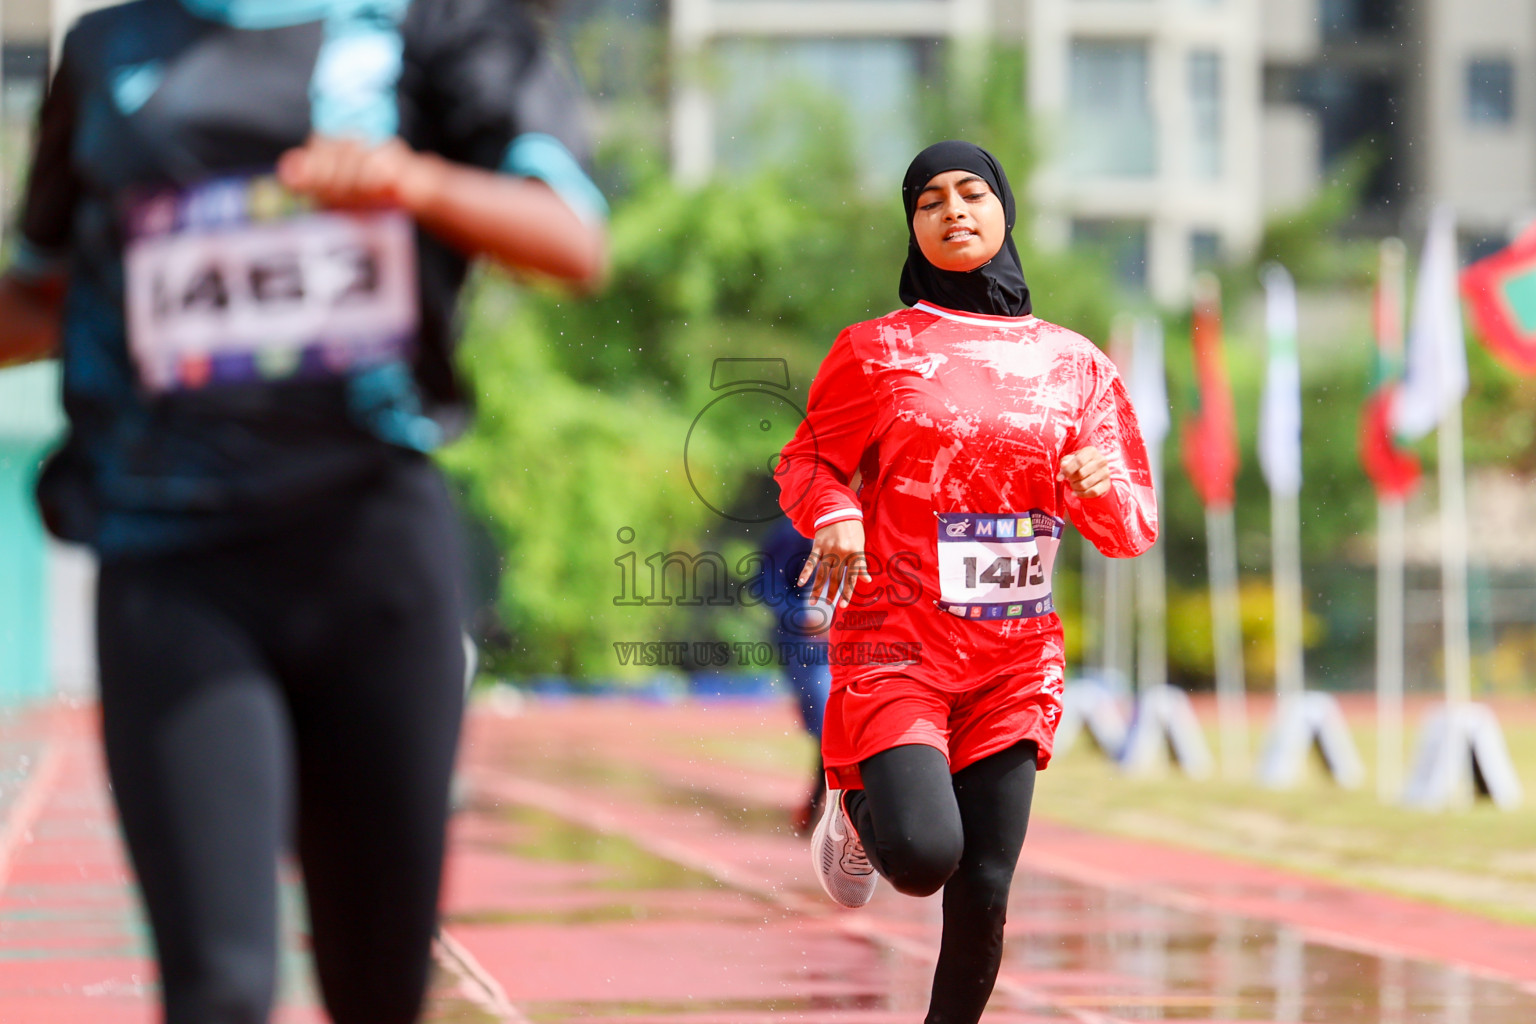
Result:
[[959, 223]]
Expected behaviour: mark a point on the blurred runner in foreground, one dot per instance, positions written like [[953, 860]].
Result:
[[800, 641], [976, 428], [245, 232]]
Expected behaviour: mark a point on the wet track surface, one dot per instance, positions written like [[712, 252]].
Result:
[[676, 894], [604, 870]]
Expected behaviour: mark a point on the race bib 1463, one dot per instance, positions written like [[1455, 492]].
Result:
[[997, 565], [238, 280]]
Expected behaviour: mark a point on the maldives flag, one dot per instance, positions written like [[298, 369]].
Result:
[[1210, 436], [1501, 291], [1394, 472]]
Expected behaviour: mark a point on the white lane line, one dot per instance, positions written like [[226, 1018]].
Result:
[[16, 830], [477, 984]]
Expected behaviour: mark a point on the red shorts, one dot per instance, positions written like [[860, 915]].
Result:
[[871, 715]]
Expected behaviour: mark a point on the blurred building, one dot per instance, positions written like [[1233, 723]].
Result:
[[1171, 129], [1156, 111], [739, 57]]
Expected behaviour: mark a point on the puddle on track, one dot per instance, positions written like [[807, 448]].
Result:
[[621, 864], [1119, 954]]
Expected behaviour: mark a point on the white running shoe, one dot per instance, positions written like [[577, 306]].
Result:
[[842, 867]]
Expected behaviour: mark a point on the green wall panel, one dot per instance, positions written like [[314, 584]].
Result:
[[23, 578]]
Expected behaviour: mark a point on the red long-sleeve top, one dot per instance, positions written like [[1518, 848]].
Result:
[[943, 432]]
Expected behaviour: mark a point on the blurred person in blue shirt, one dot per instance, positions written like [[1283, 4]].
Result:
[[799, 636]]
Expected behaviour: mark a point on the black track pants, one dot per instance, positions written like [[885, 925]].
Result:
[[314, 677], [924, 828]]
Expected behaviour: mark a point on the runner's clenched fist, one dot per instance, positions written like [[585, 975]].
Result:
[[346, 173], [1085, 471]]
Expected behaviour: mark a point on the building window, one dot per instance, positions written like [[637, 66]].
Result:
[[1110, 129], [1205, 113], [781, 100], [1122, 242], [1490, 91], [1474, 246], [1344, 20], [1204, 250]]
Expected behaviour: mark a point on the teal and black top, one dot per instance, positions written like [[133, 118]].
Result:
[[287, 363]]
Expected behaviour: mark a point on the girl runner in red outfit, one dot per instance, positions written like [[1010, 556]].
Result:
[[943, 449]]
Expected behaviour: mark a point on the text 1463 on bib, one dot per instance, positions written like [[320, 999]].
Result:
[[239, 281], [997, 565]]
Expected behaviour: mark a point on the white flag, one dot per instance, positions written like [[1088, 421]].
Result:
[[1436, 371], [1280, 411], [1149, 388]]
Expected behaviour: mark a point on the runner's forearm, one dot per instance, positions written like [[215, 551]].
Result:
[[1121, 524], [519, 222]]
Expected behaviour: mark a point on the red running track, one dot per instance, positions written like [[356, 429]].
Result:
[[604, 870]]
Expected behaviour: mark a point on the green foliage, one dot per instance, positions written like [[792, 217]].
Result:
[[749, 267], [556, 469], [1499, 413], [1308, 242]]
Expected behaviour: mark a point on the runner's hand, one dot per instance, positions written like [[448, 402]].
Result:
[[1085, 471], [837, 561], [349, 174]]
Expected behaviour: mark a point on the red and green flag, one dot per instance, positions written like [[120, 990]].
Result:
[[1501, 293], [1210, 435], [1395, 472]]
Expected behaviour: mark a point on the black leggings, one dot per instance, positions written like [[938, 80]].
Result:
[[313, 677], [924, 828]]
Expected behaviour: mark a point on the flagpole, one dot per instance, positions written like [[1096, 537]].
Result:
[[1280, 458], [1211, 459], [1285, 552], [1150, 397], [1430, 399], [1460, 734], [1453, 553], [1119, 655], [1151, 619], [1390, 549], [1227, 629], [1119, 581], [1093, 607], [1303, 721]]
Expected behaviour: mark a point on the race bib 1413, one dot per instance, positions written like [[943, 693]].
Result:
[[997, 565], [238, 280]]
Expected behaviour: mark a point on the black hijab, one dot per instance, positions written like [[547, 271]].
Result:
[[996, 287]]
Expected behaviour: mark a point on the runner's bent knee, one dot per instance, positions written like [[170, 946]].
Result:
[[919, 864]]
